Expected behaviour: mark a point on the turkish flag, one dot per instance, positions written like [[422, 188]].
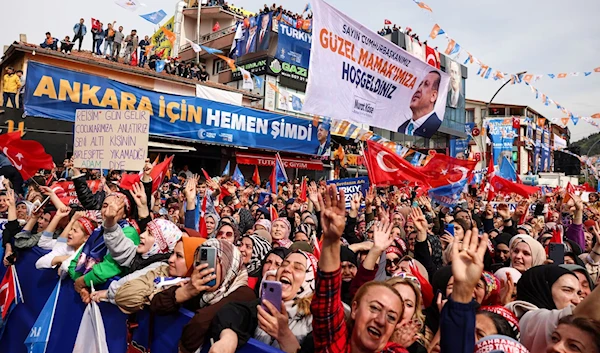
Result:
[[27, 156], [134, 58], [303, 191], [516, 122], [386, 168], [256, 176], [443, 170], [202, 223], [503, 186], [387, 22], [432, 57], [570, 190], [273, 181], [158, 173], [216, 27], [95, 24]]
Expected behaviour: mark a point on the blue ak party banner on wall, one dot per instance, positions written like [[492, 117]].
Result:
[[545, 152], [502, 134], [351, 187], [293, 45], [57, 93]]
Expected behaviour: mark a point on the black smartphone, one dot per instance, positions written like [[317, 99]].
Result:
[[208, 255], [556, 253]]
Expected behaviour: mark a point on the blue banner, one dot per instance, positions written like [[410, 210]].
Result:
[[57, 93], [293, 45], [458, 148], [545, 149], [537, 150], [351, 187], [154, 17], [38, 337], [502, 134]]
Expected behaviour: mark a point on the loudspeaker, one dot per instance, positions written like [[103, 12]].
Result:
[[566, 163]]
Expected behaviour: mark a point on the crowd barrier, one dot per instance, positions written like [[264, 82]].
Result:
[[37, 285]]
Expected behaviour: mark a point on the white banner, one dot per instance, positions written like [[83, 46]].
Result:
[[357, 75], [111, 139], [219, 95], [559, 143]]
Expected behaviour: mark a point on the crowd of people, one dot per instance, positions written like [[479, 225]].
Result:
[[300, 272], [111, 43], [408, 31]]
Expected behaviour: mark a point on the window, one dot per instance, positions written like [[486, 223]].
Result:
[[470, 118], [497, 112], [220, 66], [516, 111]]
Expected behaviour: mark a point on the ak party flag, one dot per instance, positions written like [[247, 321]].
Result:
[[130, 5], [238, 177], [39, 335], [226, 170], [154, 17]]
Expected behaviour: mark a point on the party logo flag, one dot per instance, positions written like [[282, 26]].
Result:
[[130, 5], [423, 5], [562, 75], [238, 177], [587, 73], [211, 50], [197, 48], [160, 65], [597, 69], [564, 121], [575, 119], [452, 47], [256, 176], [387, 22], [281, 175], [229, 61], [487, 73], [248, 83], [39, 335], [169, 34], [528, 78], [307, 8], [154, 17], [551, 75], [436, 31], [507, 170], [226, 170], [448, 195], [596, 116], [259, 82]]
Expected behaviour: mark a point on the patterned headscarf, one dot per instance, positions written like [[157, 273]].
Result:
[[492, 289], [166, 234], [265, 223], [260, 249], [286, 223], [233, 271]]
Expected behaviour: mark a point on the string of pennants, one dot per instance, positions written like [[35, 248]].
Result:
[[486, 72]]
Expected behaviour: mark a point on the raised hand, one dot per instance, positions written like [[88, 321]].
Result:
[[78, 214], [200, 277], [467, 263], [46, 190], [10, 198], [139, 195], [211, 183], [333, 213], [382, 238], [371, 195], [147, 170], [313, 193], [112, 210], [62, 212], [420, 222]]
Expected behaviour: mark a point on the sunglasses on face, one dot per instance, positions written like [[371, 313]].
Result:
[[408, 277], [395, 262], [227, 234]]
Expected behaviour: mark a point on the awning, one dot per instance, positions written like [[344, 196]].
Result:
[[269, 161], [154, 146]]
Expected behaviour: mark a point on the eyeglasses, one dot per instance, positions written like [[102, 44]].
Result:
[[393, 262], [227, 234]]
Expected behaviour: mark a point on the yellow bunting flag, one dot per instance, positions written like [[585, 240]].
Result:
[[541, 122], [596, 116], [450, 47], [528, 78], [424, 6], [564, 121], [231, 63], [562, 75], [597, 69], [435, 31]]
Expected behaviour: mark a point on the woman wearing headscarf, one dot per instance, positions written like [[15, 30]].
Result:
[[525, 252], [211, 220], [238, 322], [134, 291], [228, 231], [502, 250], [93, 263], [231, 286], [280, 230], [270, 264], [263, 224], [253, 249], [545, 294]]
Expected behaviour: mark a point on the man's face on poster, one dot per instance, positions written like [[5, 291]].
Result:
[[455, 76], [322, 133], [426, 95], [264, 22]]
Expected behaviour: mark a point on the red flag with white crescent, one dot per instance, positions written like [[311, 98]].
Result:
[[385, 167]]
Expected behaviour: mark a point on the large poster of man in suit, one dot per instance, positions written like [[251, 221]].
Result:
[[264, 32], [425, 120], [249, 42], [456, 97]]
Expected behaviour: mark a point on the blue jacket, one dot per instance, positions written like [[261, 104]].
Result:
[[83, 29]]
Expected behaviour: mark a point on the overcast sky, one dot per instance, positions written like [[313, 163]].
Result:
[[549, 36]]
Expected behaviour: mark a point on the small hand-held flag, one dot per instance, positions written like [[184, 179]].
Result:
[[303, 191], [27, 156], [205, 174], [39, 335], [256, 176], [238, 177], [226, 170], [10, 295], [387, 22], [154, 17], [216, 27]]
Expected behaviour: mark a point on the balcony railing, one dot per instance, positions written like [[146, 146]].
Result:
[[218, 34]]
